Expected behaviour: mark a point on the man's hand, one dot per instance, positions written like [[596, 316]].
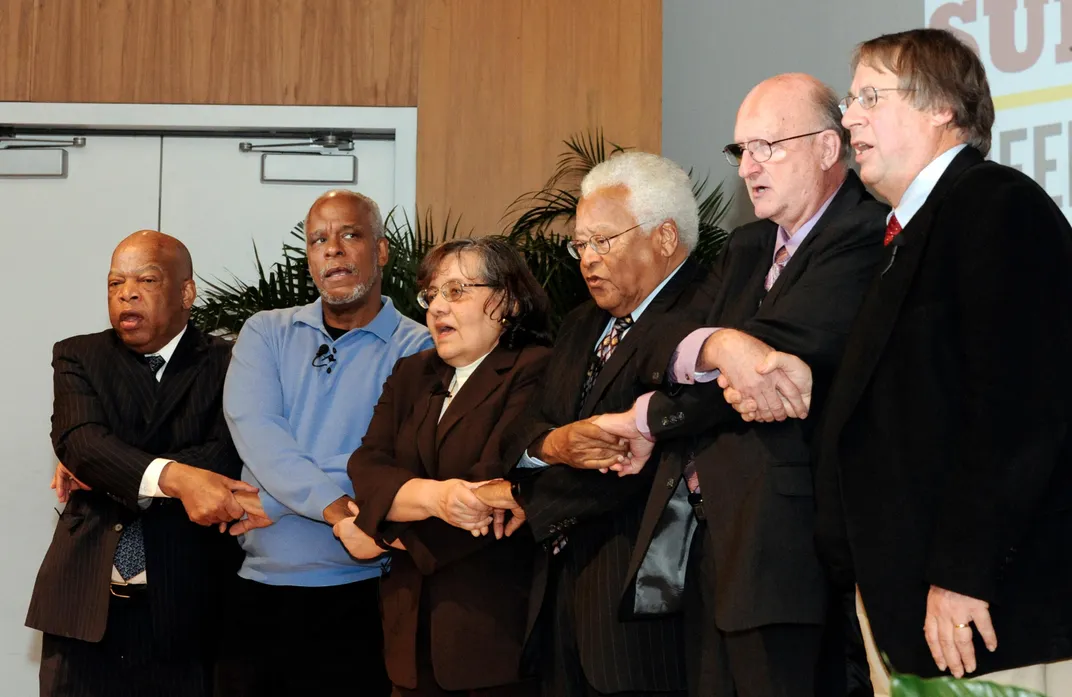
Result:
[[207, 497], [583, 445], [353, 538], [337, 510], [64, 483], [792, 380], [624, 426], [948, 629], [456, 504], [498, 496], [255, 517], [737, 355]]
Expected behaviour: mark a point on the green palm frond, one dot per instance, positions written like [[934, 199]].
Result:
[[583, 152], [912, 686], [539, 229]]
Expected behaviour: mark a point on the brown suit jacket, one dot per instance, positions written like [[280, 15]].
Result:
[[474, 590]]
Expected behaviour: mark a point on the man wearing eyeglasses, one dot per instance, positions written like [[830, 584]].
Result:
[[299, 395], [637, 222], [946, 455], [755, 597]]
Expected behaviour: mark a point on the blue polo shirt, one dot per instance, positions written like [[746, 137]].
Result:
[[295, 424]]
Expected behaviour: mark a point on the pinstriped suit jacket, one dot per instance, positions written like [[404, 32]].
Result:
[[110, 420], [602, 513]]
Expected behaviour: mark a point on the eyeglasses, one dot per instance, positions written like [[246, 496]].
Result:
[[762, 150], [600, 243], [868, 97], [452, 292]]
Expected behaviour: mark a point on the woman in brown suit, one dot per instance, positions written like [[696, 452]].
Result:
[[455, 600]]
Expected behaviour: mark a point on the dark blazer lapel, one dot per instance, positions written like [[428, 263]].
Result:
[[178, 376], [882, 304], [634, 338], [133, 378], [437, 375], [847, 198], [582, 345], [476, 389]]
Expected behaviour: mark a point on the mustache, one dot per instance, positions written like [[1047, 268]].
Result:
[[349, 267]]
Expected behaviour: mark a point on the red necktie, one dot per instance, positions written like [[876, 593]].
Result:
[[893, 228]]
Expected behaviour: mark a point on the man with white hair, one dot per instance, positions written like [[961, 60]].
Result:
[[637, 222], [299, 395], [756, 596]]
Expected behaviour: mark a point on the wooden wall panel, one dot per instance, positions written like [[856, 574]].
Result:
[[16, 44], [310, 52], [503, 83]]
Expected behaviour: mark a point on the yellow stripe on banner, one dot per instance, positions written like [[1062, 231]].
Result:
[[1043, 96]]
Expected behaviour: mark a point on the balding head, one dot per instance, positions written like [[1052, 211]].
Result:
[[359, 205], [150, 290], [795, 149]]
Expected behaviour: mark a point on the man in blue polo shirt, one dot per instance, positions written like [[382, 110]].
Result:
[[299, 395]]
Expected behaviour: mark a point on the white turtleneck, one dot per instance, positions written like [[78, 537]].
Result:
[[461, 374]]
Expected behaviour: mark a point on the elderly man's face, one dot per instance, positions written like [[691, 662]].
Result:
[[620, 279], [148, 296], [344, 259], [783, 187]]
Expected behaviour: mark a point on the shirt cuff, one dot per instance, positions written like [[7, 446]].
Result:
[[683, 364], [150, 479], [641, 411], [529, 462]]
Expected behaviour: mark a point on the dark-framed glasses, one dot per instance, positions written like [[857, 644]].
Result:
[[452, 291], [868, 97], [600, 244], [761, 150]]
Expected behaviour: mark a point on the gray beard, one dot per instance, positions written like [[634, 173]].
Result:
[[359, 292]]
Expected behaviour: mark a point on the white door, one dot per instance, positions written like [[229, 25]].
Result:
[[59, 234], [213, 197]]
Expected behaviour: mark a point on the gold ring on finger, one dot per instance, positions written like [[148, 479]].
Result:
[[960, 626]]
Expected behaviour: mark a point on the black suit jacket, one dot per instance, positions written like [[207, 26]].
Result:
[[756, 479], [945, 456], [600, 513], [473, 590], [110, 420]]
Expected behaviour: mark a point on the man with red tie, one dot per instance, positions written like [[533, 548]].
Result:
[[945, 469]]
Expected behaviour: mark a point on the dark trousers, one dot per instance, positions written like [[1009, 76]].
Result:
[[562, 674], [288, 641], [771, 661], [124, 663]]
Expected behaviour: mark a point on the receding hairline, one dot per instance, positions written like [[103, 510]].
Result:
[[359, 201], [173, 252]]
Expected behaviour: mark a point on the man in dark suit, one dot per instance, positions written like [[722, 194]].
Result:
[[637, 221], [756, 598], [945, 467], [126, 593]]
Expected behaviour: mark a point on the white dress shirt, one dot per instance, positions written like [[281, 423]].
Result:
[[461, 375]]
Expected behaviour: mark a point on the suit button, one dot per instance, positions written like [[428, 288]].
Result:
[[670, 483], [680, 415], [666, 421], [656, 376], [118, 527]]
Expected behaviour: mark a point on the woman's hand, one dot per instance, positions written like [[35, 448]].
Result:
[[456, 504], [354, 539]]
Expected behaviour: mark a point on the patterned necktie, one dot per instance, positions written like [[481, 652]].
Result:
[[129, 556], [781, 258], [603, 352], [155, 362], [893, 228]]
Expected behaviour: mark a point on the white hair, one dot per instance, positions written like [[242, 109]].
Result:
[[659, 190]]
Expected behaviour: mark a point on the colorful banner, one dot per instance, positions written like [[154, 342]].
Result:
[[1026, 46]]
